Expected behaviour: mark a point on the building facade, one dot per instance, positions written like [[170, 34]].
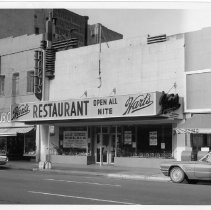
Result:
[[17, 140], [98, 33], [196, 129], [18, 73], [17, 22], [121, 112]]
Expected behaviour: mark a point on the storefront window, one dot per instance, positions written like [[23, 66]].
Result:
[[74, 141], [198, 141], [151, 141], [126, 144], [3, 145], [30, 144], [154, 141]]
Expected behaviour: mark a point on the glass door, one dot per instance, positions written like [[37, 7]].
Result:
[[106, 148], [112, 148], [103, 149]]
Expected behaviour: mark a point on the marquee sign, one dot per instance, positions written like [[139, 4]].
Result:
[[107, 107], [142, 104]]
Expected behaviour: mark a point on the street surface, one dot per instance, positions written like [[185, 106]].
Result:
[[28, 187]]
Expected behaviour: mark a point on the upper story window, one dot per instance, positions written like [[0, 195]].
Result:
[[15, 84], [2, 80], [30, 82]]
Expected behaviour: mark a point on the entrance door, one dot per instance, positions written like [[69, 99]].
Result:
[[104, 148], [112, 148]]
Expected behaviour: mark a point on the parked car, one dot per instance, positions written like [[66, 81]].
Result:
[[3, 159], [192, 171]]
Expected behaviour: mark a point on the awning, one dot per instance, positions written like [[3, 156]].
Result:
[[14, 131], [199, 123]]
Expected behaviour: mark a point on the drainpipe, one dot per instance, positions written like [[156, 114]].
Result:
[[101, 138]]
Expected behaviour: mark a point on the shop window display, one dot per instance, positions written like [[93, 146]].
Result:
[[3, 145], [126, 144], [199, 141], [29, 144], [145, 142], [74, 141]]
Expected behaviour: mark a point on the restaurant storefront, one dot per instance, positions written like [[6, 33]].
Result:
[[17, 140], [110, 130], [197, 131]]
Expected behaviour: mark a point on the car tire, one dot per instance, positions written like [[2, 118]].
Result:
[[177, 175]]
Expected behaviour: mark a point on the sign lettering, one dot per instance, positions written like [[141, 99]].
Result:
[[20, 111], [135, 104]]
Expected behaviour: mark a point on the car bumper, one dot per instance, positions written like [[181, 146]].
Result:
[[165, 171], [3, 160]]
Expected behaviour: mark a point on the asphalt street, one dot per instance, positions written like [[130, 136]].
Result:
[[28, 187]]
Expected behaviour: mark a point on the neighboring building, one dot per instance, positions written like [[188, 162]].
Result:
[[17, 22], [112, 113], [98, 33], [17, 86], [196, 130]]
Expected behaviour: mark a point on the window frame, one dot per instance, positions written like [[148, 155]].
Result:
[[2, 86], [15, 83], [30, 82]]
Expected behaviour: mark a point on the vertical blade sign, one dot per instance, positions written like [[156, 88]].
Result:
[[38, 57]]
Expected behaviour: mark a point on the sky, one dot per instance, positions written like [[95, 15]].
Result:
[[138, 22]]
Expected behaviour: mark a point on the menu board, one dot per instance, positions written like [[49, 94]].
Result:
[[75, 139]]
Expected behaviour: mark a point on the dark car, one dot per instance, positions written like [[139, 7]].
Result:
[[192, 171], [3, 159]]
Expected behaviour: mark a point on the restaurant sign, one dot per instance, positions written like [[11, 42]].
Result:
[[146, 104]]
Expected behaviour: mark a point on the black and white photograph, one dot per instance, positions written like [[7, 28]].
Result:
[[105, 104]]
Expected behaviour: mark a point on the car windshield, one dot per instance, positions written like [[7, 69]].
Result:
[[206, 158]]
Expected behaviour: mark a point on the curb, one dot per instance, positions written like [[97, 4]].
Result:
[[109, 175], [139, 177]]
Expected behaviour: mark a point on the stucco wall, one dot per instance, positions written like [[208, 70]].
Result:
[[198, 49], [129, 66], [17, 56], [198, 68]]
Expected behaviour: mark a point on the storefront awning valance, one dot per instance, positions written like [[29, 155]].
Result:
[[14, 131], [199, 123]]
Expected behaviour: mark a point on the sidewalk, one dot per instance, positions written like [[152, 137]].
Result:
[[111, 171]]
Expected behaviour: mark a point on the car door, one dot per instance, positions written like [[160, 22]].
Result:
[[202, 168]]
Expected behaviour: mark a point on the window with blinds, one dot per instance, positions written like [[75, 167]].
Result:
[[30, 82]]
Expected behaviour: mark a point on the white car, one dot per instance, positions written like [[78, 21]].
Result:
[[3, 159], [192, 171]]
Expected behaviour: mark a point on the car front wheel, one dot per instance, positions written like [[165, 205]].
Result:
[[177, 175]]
